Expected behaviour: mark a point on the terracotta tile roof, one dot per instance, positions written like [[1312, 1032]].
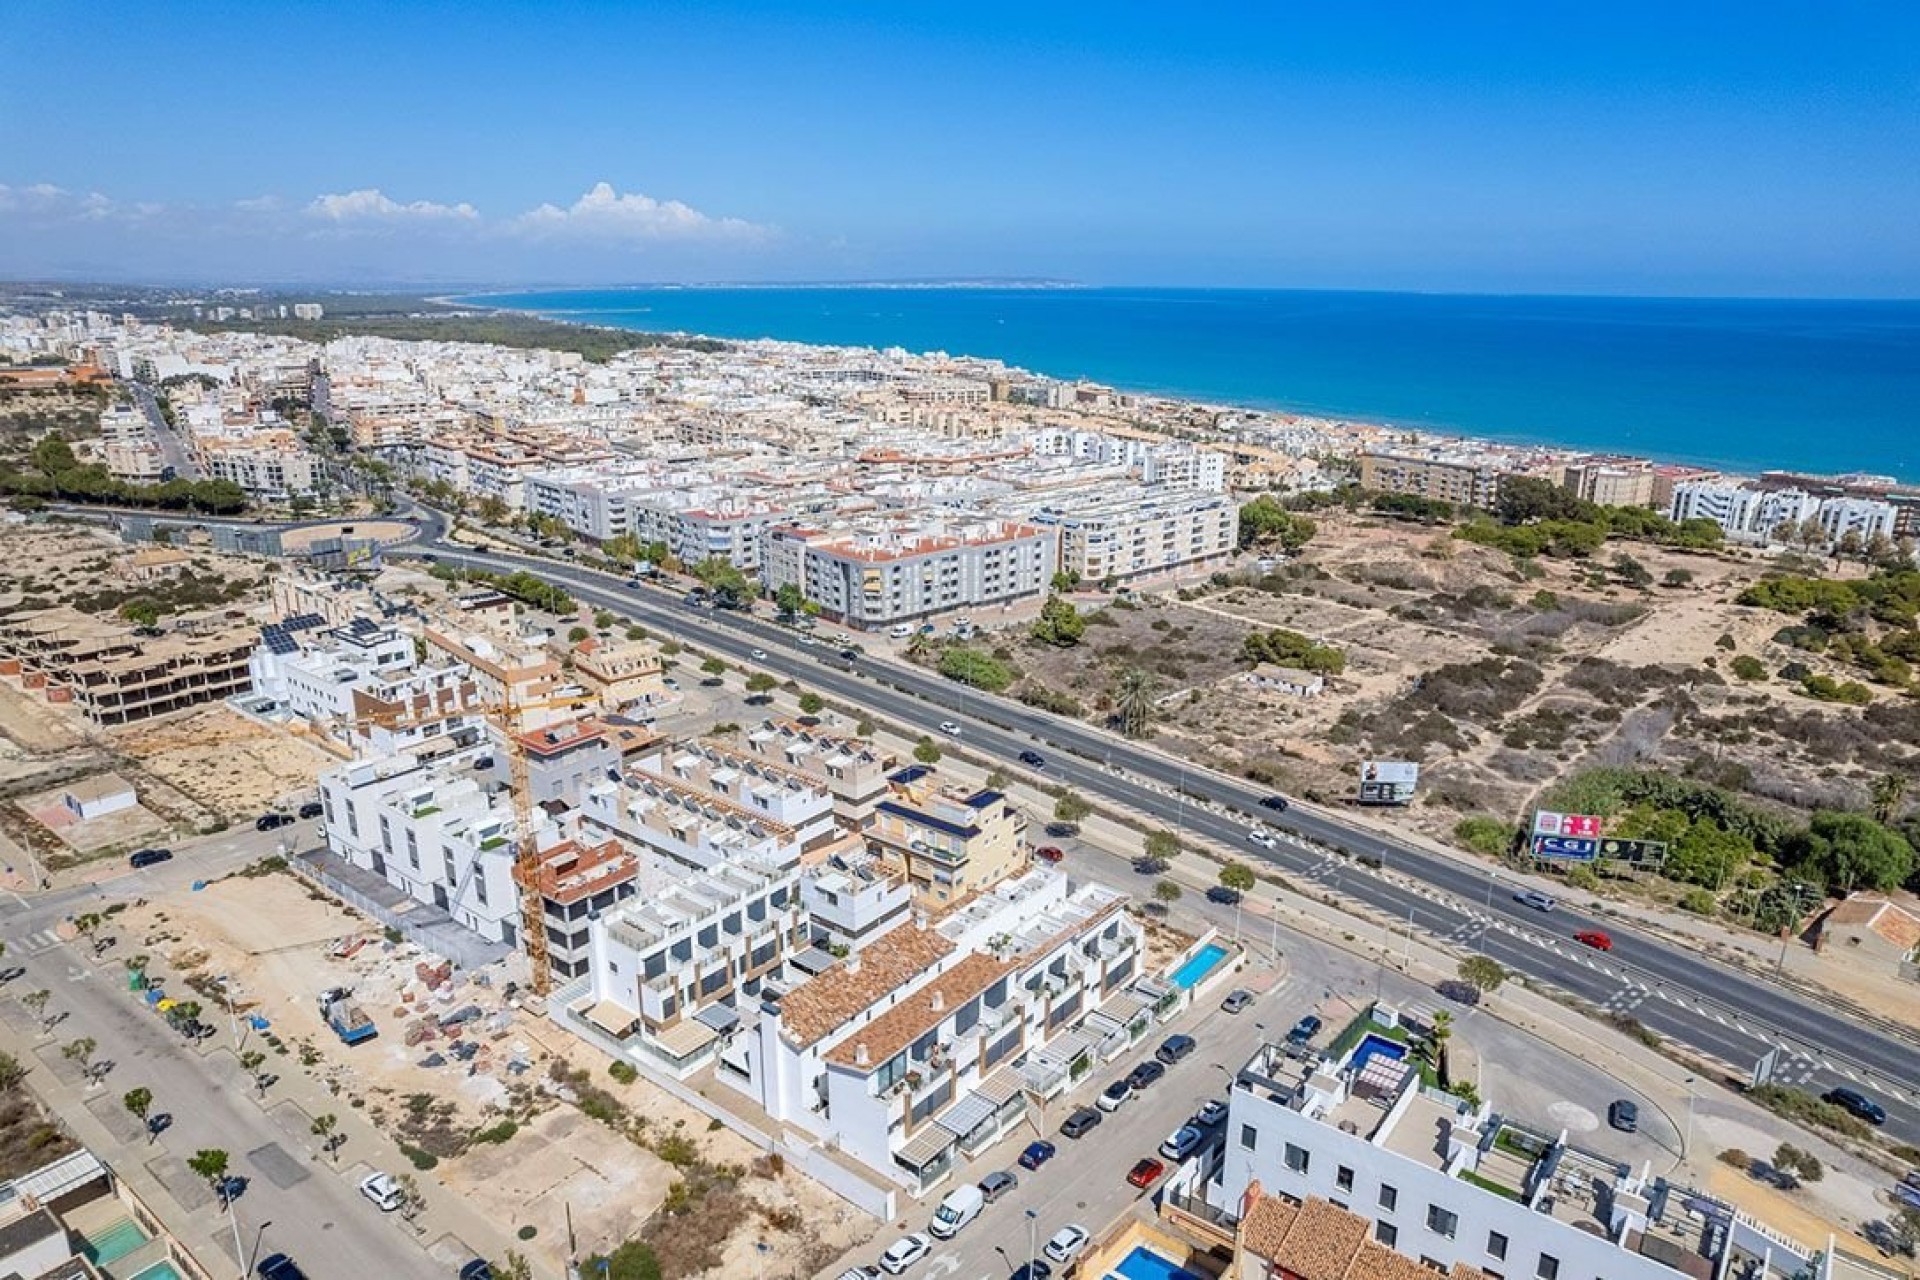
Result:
[[825, 1002], [920, 1012], [1264, 1230], [1323, 1241], [1893, 921], [1462, 1271], [1375, 1261]]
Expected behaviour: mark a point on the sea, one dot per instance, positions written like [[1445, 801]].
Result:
[[1742, 385]]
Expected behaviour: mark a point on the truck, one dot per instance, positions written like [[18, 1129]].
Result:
[[350, 1022]]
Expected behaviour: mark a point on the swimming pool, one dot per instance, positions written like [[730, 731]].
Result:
[[1198, 966], [113, 1242], [1373, 1046], [1144, 1264], [160, 1271]]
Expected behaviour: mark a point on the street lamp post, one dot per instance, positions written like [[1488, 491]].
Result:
[[1274, 942], [233, 1220], [253, 1255], [1033, 1219], [1686, 1143], [226, 996]]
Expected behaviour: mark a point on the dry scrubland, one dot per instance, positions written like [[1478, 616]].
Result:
[[1502, 677]]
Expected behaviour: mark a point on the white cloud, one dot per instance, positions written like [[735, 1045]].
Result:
[[605, 214], [370, 204], [45, 201]]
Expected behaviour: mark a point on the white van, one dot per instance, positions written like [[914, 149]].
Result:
[[960, 1207], [900, 630]]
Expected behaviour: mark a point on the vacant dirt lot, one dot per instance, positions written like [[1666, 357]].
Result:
[[231, 765]]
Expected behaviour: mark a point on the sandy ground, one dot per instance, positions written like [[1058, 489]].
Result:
[[121, 829], [234, 766], [272, 935], [35, 726]]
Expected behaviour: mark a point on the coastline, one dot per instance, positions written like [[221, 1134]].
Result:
[[1338, 418]]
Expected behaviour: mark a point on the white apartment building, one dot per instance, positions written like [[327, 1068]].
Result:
[[268, 464], [854, 898], [669, 966], [901, 1055], [439, 831], [888, 575], [1866, 518], [853, 769], [1361, 1134], [1124, 532], [1184, 467], [128, 447]]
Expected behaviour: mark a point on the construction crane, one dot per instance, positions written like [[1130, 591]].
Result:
[[505, 717]]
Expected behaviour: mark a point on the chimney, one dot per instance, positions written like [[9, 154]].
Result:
[[861, 1057], [853, 962], [939, 1000]]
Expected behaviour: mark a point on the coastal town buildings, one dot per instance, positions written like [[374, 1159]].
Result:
[[1465, 479]]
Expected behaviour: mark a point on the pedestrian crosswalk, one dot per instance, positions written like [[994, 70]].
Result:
[[35, 943]]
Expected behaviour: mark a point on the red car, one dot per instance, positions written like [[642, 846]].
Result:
[[1595, 939], [1050, 853], [1146, 1173]]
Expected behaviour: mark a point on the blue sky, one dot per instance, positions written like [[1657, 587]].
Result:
[[1696, 148]]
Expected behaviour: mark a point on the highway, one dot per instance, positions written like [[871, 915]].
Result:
[[1691, 1000]]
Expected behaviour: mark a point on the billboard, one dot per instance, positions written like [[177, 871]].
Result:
[[1566, 848], [1634, 852], [1388, 781], [1581, 825]]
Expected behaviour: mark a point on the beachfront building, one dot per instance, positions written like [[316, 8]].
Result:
[[1323, 1153], [1611, 482], [1862, 518], [879, 575], [946, 844], [1753, 514], [1121, 533], [1465, 478]]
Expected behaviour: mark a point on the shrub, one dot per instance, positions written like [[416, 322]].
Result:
[[624, 1072], [1488, 836], [497, 1133], [422, 1160], [971, 667], [1737, 1158], [1483, 972], [677, 1149], [1748, 667], [1699, 901]]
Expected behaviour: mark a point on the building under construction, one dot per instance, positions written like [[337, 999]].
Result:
[[115, 676]]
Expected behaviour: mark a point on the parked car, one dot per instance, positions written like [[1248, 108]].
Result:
[[1115, 1095], [961, 1206], [149, 857], [1033, 759], [1050, 853], [1237, 999], [904, 1252], [1595, 939], [1212, 1112], [230, 1188], [860, 1272], [278, 1266], [1624, 1115], [1264, 838], [1174, 1048], [312, 809], [1061, 830], [949, 728], [1036, 1154], [1145, 1074], [272, 821], [1856, 1104], [1182, 1142], [1145, 1173], [1065, 1244], [1276, 803], [1535, 899], [1459, 992], [383, 1191], [1304, 1030], [1081, 1122], [999, 1182], [478, 1269], [1032, 1269], [1221, 894]]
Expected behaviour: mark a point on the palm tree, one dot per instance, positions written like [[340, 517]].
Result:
[[1886, 792], [1133, 701]]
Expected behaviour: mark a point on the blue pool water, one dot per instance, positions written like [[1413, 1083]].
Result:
[[1198, 966], [1144, 1264], [160, 1271], [1376, 1047], [114, 1243]]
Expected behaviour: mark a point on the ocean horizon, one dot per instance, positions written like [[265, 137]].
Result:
[[1742, 385]]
